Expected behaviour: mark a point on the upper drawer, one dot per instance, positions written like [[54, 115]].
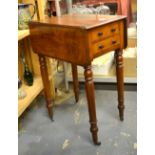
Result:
[[104, 32]]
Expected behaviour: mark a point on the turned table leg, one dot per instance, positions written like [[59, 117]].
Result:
[[75, 82], [120, 82], [46, 83], [89, 86]]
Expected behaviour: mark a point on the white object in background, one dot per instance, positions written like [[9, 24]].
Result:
[[57, 6], [101, 65], [21, 93], [132, 32], [69, 6], [130, 52]]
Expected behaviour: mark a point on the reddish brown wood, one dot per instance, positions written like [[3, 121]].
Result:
[[82, 21], [46, 83], [71, 37], [120, 83], [77, 39], [89, 86], [60, 43], [75, 82]]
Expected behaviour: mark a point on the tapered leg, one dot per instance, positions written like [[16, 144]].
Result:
[[75, 82], [46, 83], [89, 86], [120, 82], [65, 77]]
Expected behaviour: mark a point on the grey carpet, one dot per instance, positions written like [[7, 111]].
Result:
[[69, 133]]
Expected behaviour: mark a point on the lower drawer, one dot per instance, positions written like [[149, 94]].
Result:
[[109, 43]]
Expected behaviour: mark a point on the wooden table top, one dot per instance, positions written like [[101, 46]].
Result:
[[84, 21]]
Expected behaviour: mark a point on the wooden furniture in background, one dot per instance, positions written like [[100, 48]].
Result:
[[32, 60], [79, 39], [33, 63]]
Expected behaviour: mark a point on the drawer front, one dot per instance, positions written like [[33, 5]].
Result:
[[104, 32], [106, 44]]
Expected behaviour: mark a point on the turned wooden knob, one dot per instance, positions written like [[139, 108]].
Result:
[[100, 34], [100, 46], [113, 30], [113, 41]]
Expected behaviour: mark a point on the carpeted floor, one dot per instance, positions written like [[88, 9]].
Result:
[[69, 133]]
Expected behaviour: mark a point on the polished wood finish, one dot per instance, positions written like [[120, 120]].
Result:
[[22, 34], [120, 83], [83, 21], [78, 39], [46, 83], [104, 32], [106, 44], [75, 82], [89, 86], [60, 42], [63, 30]]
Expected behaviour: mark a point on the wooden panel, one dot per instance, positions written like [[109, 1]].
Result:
[[83, 21], [24, 51], [20, 64], [22, 34], [35, 63], [51, 77], [104, 32], [31, 92], [36, 70], [27, 53], [41, 8], [103, 46], [60, 42], [134, 5], [123, 34]]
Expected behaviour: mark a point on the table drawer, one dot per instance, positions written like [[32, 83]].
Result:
[[104, 32], [109, 43]]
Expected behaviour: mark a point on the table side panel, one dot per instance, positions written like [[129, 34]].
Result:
[[123, 34], [67, 44]]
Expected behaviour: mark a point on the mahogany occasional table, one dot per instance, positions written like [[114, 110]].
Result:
[[79, 39]]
